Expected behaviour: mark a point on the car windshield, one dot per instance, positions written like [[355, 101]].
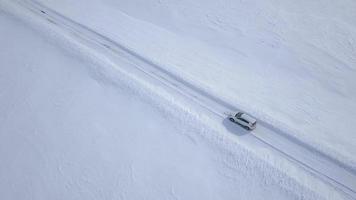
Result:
[[238, 115]]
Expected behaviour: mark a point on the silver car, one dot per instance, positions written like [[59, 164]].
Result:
[[244, 120]]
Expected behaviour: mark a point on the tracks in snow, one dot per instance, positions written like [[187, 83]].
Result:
[[330, 170]]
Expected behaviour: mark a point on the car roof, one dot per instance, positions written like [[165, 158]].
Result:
[[248, 118]]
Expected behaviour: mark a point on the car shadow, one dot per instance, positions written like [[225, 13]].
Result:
[[234, 128]]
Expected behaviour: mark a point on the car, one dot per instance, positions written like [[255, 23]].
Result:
[[243, 120]]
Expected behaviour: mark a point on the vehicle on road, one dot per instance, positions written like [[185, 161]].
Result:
[[243, 120]]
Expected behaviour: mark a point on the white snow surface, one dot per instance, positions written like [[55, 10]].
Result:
[[289, 63], [71, 128], [68, 131]]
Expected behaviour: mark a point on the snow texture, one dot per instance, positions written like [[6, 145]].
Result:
[[72, 128], [292, 64]]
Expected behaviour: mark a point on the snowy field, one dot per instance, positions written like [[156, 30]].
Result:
[[291, 64], [77, 124], [66, 134]]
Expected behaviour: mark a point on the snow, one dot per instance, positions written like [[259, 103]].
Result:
[[76, 125], [68, 133], [291, 64]]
